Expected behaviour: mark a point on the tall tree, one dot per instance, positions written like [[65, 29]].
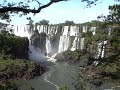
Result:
[[43, 22]]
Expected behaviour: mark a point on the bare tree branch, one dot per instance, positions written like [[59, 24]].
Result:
[[27, 10]]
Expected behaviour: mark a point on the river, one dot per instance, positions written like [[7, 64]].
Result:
[[58, 75]]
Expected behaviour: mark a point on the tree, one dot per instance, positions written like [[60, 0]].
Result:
[[111, 63], [7, 8], [25, 8], [114, 13], [43, 22], [31, 25], [69, 23]]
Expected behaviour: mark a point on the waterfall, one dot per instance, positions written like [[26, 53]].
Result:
[[23, 31], [64, 39], [58, 38], [74, 45], [48, 46], [82, 43], [20, 31], [52, 30], [63, 43], [74, 31], [85, 28], [109, 31], [101, 52], [93, 30]]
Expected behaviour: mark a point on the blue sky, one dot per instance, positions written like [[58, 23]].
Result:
[[72, 10]]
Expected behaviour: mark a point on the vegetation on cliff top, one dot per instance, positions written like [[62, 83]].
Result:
[[13, 61], [12, 69], [13, 46]]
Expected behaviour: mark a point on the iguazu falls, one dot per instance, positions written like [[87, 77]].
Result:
[[59, 45]]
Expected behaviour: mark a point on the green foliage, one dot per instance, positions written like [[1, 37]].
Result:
[[64, 88], [80, 82], [93, 23], [15, 85], [16, 66], [73, 54], [5, 16], [85, 82], [108, 66], [11, 70], [100, 35], [111, 63], [71, 39], [9, 86], [43, 22], [115, 40], [114, 17], [67, 23], [88, 37], [13, 46]]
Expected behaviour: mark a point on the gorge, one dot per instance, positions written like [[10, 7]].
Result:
[[46, 41], [84, 55]]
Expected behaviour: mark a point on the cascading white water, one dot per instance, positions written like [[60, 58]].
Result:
[[99, 49], [93, 30], [64, 36], [82, 43], [74, 30], [74, 45], [48, 45], [22, 31], [63, 43], [109, 31], [65, 31], [85, 28], [64, 40], [101, 52]]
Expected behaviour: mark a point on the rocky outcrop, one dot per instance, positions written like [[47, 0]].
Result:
[[55, 43], [38, 40]]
